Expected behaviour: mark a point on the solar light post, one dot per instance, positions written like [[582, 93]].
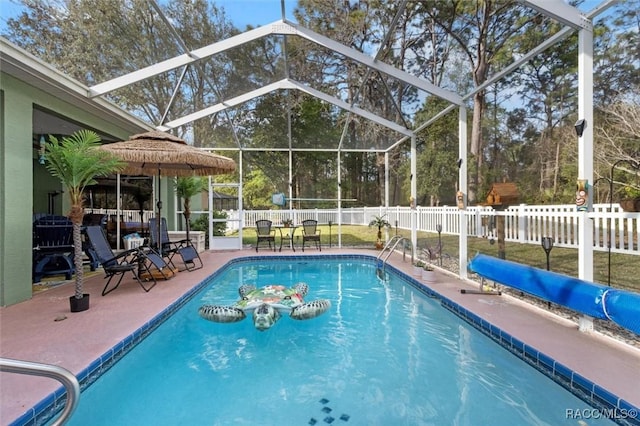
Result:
[[439, 231], [547, 245], [330, 223]]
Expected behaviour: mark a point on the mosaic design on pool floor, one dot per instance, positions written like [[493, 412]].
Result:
[[326, 410]]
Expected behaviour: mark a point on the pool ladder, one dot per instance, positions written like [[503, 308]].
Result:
[[389, 248], [52, 371]]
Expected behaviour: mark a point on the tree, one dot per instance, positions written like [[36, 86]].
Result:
[[620, 130], [257, 190], [187, 187], [454, 44], [356, 25], [96, 40], [483, 32], [617, 45], [437, 156], [77, 161]]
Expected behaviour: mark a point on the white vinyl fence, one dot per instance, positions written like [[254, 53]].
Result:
[[523, 223]]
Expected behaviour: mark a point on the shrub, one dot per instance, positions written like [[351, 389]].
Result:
[[202, 224]]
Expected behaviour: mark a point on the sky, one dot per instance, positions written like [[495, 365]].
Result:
[[240, 12], [256, 12]]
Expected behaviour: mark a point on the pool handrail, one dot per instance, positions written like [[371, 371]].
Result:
[[64, 376], [391, 246]]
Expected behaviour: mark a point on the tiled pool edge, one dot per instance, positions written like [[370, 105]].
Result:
[[591, 393]]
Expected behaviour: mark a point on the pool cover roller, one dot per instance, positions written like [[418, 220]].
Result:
[[595, 300]]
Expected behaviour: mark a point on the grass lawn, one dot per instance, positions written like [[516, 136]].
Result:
[[625, 269]]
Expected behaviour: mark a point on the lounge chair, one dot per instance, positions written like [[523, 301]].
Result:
[[265, 233], [52, 247], [310, 232], [168, 249], [92, 219], [142, 262]]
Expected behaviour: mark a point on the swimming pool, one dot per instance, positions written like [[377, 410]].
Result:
[[385, 353]]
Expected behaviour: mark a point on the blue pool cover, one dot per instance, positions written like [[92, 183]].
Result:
[[595, 300]]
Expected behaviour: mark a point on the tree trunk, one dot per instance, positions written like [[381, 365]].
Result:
[[187, 214], [475, 181], [76, 214], [556, 170]]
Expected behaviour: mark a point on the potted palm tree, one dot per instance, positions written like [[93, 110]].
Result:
[[287, 222], [186, 188], [380, 222], [77, 161]]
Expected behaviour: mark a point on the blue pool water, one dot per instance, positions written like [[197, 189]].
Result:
[[384, 354]]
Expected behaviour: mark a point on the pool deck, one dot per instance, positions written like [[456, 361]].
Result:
[[43, 330]]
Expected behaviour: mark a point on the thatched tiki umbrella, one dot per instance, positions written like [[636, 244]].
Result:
[[159, 154]]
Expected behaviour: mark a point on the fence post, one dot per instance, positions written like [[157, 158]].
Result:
[[522, 226], [478, 221]]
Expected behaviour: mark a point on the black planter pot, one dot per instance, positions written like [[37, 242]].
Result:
[[79, 305]]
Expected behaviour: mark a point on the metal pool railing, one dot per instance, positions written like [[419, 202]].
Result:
[[390, 247], [52, 371]]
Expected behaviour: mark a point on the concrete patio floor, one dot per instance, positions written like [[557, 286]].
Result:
[[43, 330]]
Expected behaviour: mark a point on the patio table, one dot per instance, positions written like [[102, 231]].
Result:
[[287, 236]]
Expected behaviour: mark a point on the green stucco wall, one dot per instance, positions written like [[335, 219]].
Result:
[[17, 206], [25, 183]]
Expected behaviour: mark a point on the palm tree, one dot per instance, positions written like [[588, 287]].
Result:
[[379, 222], [187, 187], [77, 161]]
